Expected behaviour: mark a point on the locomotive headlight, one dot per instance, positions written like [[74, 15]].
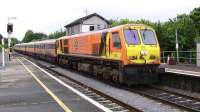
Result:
[[142, 52], [145, 52]]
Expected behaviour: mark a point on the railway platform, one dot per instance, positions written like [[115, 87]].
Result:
[[188, 70], [185, 77], [25, 88]]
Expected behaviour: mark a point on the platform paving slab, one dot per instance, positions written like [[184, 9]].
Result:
[[182, 67], [133, 99], [19, 92]]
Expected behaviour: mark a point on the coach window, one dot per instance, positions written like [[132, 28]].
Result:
[[116, 40], [48, 46], [51, 46]]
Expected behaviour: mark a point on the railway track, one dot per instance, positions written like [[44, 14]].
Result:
[[164, 96], [105, 100], [172, 98]]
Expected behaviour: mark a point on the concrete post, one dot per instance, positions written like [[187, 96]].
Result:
[[9, 42], [177, 46], [3, 53], [198, 54]]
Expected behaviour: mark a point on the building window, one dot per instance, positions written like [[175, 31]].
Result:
[[72, 30], [68, 31], [106, 26], [91, 28], [98, 27]]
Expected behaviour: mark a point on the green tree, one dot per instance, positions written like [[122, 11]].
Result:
[[57, 34], [0, 38], [186, 32], [158, 26], [28, 36], [14, 41], [186, 35], [114, 23], [166, 31], [5, 42], [195, 16], [39, 36], [128, 21], [31, 36]]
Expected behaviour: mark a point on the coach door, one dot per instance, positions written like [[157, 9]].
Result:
[[59, 46]]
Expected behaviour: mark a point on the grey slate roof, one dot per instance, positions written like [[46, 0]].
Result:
[[80, 20]]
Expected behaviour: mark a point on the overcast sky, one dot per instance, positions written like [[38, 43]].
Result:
[[51, 15]]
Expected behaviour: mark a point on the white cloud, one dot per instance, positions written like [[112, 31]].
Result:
[[51, 15]]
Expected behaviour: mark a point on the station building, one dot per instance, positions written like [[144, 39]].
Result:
[[90, 22]]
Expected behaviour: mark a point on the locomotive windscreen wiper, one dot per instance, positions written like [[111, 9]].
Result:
[[131, 36]]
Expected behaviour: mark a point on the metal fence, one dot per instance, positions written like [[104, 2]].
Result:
[[183, 57]]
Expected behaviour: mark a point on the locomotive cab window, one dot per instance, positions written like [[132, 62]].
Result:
[[116, 40], [131, 37], [148, 37]]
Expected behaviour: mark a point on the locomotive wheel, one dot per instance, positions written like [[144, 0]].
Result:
[[115, 75], [121, 78], [106, 73], [96, 72], [75, 65], [79, 67]]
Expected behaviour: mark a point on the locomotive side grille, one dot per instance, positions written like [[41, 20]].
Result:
[[95, 49]]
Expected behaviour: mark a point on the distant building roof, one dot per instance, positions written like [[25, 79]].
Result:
[[80, 20]]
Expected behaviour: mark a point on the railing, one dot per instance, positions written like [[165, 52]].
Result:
[[183, 57]]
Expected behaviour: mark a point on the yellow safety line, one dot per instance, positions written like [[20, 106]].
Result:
[[62, 105]]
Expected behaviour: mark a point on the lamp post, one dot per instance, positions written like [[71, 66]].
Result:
[[177, 46], [9, 31], [176, 35]]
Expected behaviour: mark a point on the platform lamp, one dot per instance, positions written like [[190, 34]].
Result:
[[9, 31]]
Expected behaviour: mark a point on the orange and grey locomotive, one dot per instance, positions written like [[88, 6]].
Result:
[[128, 54]]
